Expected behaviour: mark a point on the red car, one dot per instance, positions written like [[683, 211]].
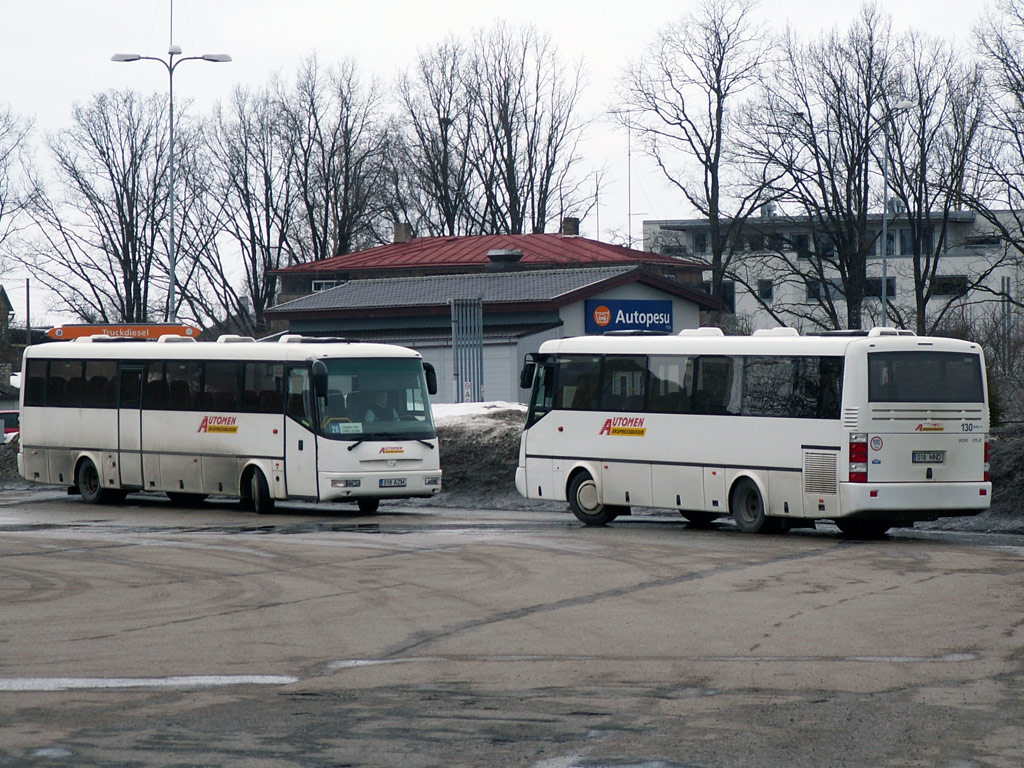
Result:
[[11, 428]]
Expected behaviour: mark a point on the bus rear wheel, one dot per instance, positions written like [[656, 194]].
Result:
[[586, 504], [87, 480], [747, 508]]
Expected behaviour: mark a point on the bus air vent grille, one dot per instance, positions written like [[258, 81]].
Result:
[[820, 472], [851, 416]]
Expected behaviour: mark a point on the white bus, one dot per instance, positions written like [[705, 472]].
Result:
[[869, 431], [297, 418]]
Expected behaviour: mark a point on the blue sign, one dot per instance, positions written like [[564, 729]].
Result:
[[605, 315]]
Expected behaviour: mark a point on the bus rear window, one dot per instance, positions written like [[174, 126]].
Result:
[[924, 377]]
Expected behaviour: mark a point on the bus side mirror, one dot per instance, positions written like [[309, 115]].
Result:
[[526, 375], [319, 378], [431, 374]]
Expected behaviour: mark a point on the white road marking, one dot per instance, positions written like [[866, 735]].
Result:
[[184, 681]]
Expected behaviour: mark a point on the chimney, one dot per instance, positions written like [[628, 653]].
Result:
[[571, 226], [502, 259], [403, 232]]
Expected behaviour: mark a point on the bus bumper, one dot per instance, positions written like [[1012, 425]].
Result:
[[913, 501], [338, 486]]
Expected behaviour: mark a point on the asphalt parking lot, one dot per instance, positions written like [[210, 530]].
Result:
[[148, 635]]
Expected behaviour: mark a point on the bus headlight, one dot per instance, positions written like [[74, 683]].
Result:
[[431, 480], [340, 482]]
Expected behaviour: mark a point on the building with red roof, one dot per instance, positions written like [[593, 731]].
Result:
[[520, 291], [410, 257]]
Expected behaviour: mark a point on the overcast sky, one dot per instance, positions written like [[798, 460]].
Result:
[[56, 52]]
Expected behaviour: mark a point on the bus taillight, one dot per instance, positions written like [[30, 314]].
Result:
[[858, 458], [988, 458]]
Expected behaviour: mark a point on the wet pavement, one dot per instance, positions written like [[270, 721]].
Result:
[[146, 634]]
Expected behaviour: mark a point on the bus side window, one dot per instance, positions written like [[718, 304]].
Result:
[[713, 391], [578, 385], [35, 382], [262, 384], [155, 388], [668, 388], [623, 383]]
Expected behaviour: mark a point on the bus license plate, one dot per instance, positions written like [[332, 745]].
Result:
[[392, 482], [928, 457]]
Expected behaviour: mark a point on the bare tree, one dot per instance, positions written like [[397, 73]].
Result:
[[253, 168], [13, 140], [337, 127], [439, 117], [1000, 201], [98, 244], [812, 136], [931, 147], [526, 139], [679, 99]]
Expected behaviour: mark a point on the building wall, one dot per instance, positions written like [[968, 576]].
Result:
[[971, 252]]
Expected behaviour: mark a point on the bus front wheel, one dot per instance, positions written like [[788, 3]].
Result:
[[367, 504], [259, 493], [748, 510], [586, 504]]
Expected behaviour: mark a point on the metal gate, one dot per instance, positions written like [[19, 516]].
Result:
[[468, 349]]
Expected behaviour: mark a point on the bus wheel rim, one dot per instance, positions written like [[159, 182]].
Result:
[[587, 497]]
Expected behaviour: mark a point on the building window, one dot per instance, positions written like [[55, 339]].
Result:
[[802, 245], [816, 289], [728, 294], [756, 241], [906, 243], [323, 285], [873, 287], [825, 247], [765, 290], [674, 250], [949, 285], [700, 241], [982, 241]]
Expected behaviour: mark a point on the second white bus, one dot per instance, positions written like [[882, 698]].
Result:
[[298, 418], [774, 429]]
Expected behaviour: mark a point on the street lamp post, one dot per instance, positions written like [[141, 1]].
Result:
[[170, 64], [900, 106]]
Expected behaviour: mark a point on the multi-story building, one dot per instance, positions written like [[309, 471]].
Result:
[[773, 276]]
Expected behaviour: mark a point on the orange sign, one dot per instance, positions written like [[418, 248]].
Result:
[[122, 331]]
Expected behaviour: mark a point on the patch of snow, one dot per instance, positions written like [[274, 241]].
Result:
[[449, 413]]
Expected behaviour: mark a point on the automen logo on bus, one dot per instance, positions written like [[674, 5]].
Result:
[[628, 426], [223, 424]]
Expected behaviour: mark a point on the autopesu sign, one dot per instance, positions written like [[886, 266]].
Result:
[[627, 315]]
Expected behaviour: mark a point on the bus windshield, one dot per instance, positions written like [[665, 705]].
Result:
[[924, 377], [375, 398]]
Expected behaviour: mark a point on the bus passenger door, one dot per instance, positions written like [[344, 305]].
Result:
[[129, 426], [300, 451]]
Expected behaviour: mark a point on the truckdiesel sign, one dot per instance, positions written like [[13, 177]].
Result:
[[604, 315]]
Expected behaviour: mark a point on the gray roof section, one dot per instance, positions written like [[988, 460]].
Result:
[[498, 287]]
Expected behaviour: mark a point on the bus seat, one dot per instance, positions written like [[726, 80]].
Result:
[[270, 401], [97, 390], [250, 402], [180, 397]]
